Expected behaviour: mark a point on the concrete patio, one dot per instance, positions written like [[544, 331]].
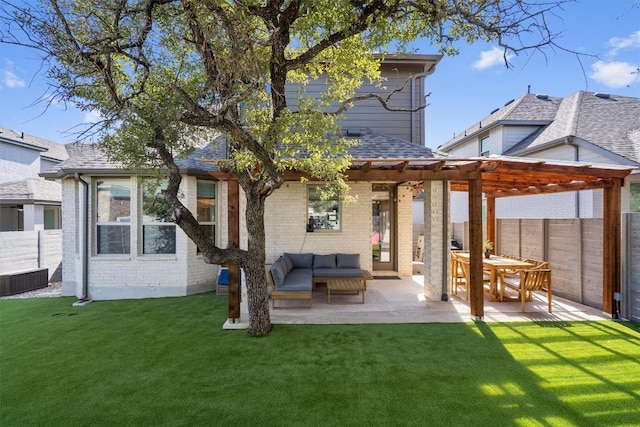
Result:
[[402, 301]]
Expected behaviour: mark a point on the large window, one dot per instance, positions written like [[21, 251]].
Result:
[[158, 231], [485, 146], [206, 209], [113, 215], [323, 214]]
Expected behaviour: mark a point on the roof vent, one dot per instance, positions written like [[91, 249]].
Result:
[[508, 102], [542, 96], [354, 132], [602, 95], [494, 111]]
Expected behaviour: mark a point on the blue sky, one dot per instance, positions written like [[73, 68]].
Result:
[[464, 89]]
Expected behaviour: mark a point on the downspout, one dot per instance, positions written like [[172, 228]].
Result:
[[414, 103], [84, 299], [576, 158]]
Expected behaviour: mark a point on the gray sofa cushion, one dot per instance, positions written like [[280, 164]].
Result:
[[337, 272], [300, 260], [287, 262], [298, 279], [279, 272], [324, 261], [348, 260]]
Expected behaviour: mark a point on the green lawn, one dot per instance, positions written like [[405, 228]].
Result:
[[168, 362]]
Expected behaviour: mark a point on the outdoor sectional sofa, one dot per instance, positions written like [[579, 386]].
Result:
[[294, 276]]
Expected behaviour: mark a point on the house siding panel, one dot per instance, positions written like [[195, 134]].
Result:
[[18, 162]]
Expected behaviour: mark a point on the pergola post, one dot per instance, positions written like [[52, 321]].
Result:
[[491, 222], [233, 233], [476, 291], [611, 249]]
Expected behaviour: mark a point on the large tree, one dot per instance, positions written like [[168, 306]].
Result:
[[166, 75]]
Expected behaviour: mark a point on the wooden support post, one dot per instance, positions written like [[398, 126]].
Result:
[[611, 248], [233, 200], [476, 291], [491, 222]]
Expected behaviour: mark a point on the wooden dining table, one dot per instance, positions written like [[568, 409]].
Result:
[[494, 264]]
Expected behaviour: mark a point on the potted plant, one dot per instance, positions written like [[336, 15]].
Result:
[[488, 247]]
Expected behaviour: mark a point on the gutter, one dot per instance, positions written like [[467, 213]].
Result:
[[84, 299]]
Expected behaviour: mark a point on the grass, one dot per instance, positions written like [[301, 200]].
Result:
[[167, 362]]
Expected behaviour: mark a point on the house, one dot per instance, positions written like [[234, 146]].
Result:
[[585, 127], [28, 202], [119, 241]]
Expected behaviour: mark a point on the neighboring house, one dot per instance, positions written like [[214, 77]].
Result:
[[119, 241], [28, 202], [585, 127]]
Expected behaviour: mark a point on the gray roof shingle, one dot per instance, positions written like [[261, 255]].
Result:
[[30, 190], [87, 158], [49, 149]]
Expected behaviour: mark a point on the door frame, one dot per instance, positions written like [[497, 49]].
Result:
[[392, 190]]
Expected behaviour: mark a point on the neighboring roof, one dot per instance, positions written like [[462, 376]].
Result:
[[527, 109], [29, 191], [48, 149], [377, 145], [607, 121]]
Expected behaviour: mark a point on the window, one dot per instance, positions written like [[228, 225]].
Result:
[[485, 146], [206, 209], [113, 215], [635, 197], [158, 231], [323, 214]]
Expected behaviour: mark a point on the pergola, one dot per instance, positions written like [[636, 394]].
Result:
[[495, 177]]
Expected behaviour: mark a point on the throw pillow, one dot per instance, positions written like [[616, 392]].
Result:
[[301, 260], [324, 261], [348, 260]]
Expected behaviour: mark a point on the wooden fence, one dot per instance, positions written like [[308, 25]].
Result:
[[574, 249]]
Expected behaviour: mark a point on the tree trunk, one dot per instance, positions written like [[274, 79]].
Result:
[[257, 291]]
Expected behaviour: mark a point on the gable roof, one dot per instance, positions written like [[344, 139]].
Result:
[[29, 191], [48, 149], [527, 109], [606, 121]]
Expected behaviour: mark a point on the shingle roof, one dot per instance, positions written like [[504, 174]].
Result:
[[30, 190], [611, 123], [87, 158], [527, 108], [47, 148]]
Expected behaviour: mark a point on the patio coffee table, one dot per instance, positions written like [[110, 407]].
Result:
[[344, 286]]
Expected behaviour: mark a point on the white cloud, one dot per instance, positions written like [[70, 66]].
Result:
[[92, 116], [12, 81], [618, 43], [614, 74], [490, 58]]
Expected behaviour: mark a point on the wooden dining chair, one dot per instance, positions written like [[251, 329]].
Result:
[[530, 281], [457, 275]]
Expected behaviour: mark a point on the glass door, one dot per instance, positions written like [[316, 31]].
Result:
[[383, 235]]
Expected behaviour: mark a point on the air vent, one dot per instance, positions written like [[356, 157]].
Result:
[[354, 132], [508, 102], [542, 96], [494, 111], [602, 95]]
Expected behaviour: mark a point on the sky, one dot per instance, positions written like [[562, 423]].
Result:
[[463, 89]]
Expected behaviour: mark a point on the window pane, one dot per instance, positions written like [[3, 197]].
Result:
[[485, 146], [159, 239], [206, 206], [155, 207], [113, 215], [113, 200], [323, 214], [113, 239], [635, 197]]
